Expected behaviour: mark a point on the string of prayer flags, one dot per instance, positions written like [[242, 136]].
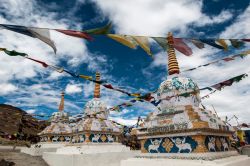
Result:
[[228, 82], [182, 47], [61, 69], [39, 33], [125, 40], [75, 34], [143, 42], [226, 59], [207, 96], [100, 31]]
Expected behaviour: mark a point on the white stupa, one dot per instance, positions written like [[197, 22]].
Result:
[[56, 135], [181, 133], [95, 139]]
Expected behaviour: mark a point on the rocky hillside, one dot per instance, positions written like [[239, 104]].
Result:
[[16, 122]]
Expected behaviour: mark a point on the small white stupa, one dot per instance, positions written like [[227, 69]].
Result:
[[56, 135], [95, 126], [95, 139], [59, 129]]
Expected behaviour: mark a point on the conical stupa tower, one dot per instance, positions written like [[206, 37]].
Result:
[[180, 125], [96, 127]]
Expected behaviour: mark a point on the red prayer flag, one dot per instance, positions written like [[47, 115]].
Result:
[[182, 47], [247, 40], [43, 63], [109, 86], [75, 34], [228, 59]]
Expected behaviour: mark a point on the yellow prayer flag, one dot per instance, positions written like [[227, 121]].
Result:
[[85, 77], [136, 94], [246, 52], [2, 49], [143, 43], [125, 40], [223, 44]]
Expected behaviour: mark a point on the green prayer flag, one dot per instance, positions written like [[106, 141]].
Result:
[[14, 53], [162, 42], [236, 43], [99, 31]]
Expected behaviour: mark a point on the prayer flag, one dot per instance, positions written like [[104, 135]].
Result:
[[85, 77], [162, 42], [247, 40], [125, 40], [58, 69], [143, 42], [182, 47], [223, 43], [236, 43], [197, 43], [13, 52], [75, 34], [211, 42], [42, 34], [70, 73], [43, 63], [228, 59], [99, 31]]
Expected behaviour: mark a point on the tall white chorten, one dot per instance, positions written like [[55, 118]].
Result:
[[180, 125]]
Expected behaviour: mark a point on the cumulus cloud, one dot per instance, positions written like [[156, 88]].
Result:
[[240, 27], [73, 88], [7, 88], [157, 17]]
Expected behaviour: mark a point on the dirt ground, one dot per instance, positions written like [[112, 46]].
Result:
[[21, 159]]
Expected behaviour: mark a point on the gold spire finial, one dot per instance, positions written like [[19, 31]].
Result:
[[97, 85], [61, 106], [173, 67]]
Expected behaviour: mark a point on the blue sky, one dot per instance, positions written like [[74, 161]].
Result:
[[29, 86]]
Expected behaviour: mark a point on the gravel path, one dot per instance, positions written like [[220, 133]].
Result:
[[21, 159]]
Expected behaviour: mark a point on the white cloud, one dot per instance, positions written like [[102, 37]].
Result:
[[7, 88], [157, 17], [88, 89], [222, 17], [240, 27], [73, 88], [30, 111], [128, 122]]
